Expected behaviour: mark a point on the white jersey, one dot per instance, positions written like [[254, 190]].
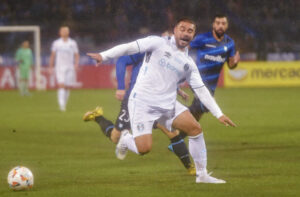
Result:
[[163, 68], [65, 51]]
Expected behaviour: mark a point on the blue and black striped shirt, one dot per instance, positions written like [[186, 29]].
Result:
[[211, 56]]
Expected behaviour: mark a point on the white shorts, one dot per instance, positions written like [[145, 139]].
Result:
[[65, 76], [143, 115]]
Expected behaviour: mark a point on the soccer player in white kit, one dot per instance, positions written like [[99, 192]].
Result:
[[65, 54], [153, 97]]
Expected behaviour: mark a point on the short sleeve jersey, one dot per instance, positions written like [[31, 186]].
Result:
[[65, 51]]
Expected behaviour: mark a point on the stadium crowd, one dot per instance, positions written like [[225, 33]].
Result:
[[259, 26]]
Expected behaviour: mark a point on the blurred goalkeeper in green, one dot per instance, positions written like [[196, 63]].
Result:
[[25, 59]]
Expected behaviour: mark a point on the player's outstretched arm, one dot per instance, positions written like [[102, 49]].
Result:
[[209, 102], [115, 52], [97, 57], [206, 98], [233, 61], [139, 46], [226, 121]]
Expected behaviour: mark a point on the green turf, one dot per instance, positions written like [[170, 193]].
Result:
[[72, 158]]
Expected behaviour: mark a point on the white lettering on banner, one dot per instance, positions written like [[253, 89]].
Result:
[[7, 78]]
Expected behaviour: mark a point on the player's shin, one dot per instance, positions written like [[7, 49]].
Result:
[[179, 148], [105, 125], [198, 152], [61, 99], [130, 143]]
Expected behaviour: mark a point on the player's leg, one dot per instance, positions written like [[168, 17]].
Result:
[[113, 132], [107, 127], [61, 92], [21, 86], [123, 121], [61, 96], [140, 141], [178, 147], [23, 82], [186, 123], [69, 83], [197, 109]]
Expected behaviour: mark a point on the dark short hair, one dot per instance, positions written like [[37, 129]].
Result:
[[219, 15], [185, 19]]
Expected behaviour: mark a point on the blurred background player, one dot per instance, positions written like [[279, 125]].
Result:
[[213, 49], [25, 59], [113, 132], [65, 54]]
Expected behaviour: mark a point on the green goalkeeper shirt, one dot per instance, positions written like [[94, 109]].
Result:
[[24, 57]]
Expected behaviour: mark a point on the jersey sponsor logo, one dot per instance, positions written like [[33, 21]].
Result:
[[210, 45], [163, 63], [215, 58]]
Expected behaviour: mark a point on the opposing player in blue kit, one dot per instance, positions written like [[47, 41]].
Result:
[[213, 49]]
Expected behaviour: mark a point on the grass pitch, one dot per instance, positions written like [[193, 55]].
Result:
[[72, 158]]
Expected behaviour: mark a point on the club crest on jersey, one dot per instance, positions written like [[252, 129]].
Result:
[[167, 54], [140, 127], [186, 67], [225, 48]]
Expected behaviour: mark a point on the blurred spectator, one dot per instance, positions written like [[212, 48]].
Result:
[[260, 26]]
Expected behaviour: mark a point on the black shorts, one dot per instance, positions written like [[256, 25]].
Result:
[[198, 107], [123, 120]]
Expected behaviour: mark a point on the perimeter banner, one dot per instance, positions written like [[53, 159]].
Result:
[[88, 77], [263, 74]]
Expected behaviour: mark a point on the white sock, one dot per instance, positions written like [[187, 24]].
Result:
[[61, 98], [67, 94], [130, 143], [197, 149]]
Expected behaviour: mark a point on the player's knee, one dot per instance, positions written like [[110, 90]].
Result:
[[144, 143], [144, 148], [195, 130]]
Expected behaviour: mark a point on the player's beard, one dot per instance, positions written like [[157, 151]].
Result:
[[219, 33]]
